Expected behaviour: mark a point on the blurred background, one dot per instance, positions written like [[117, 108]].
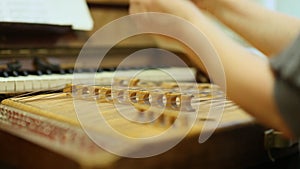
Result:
[[286, 6]]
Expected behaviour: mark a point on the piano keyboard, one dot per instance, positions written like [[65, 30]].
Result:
[[30, 83]]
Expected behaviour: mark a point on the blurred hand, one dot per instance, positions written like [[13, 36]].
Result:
[[184, 9], [203, 3], [181, 8]]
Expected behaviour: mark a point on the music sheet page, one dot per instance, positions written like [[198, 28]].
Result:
[[74, 13]]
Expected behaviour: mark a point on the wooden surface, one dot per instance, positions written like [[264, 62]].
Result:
[[44, 36], [237, 142], [238, 147]]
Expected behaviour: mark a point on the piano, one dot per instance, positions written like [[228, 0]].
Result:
[[42, 57], [37, 58]]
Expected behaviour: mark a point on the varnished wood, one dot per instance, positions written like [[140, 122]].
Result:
[[57, 110]]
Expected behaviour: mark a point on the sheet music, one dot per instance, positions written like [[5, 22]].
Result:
[[53, 12]]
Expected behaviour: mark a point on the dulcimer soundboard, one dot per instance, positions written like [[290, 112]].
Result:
[[93, 126]]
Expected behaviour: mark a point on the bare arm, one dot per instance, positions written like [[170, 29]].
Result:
[[267, 30], [245, 73]]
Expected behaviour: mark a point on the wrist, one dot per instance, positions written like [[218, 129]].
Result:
[[215, 7]]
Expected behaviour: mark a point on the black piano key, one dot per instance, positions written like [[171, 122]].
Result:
[[136, 68], [152, 67], [23, 73], [90, 70], [60, 71], [109, 69], [39, 72], [4, 74], [99, 70], [36, 72], [69, 71], [13, 73], [123, 68], [78, 71], [85, 70], [47, 72]]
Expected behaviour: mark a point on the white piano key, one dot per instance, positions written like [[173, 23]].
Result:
[[33, 82], [46, 82], [28, 85], [10, 86], [3, 85], [36, 85], [20, 85]]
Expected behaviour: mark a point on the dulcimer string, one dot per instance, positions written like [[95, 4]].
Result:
[[204, 97]]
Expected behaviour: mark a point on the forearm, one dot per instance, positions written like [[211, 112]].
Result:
[[249, 80], [267, 30]]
